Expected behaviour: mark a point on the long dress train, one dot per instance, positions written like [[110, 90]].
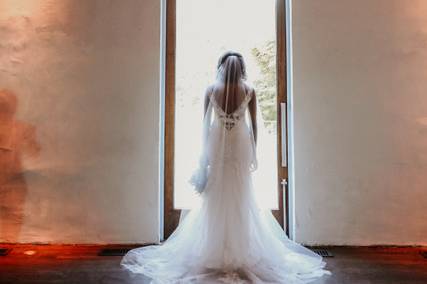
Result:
[[228, 238]]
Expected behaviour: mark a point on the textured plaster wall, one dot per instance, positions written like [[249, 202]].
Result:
[[360, 106], [79, 121], [79, 117]]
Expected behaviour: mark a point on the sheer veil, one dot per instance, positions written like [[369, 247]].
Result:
[[229, 96]]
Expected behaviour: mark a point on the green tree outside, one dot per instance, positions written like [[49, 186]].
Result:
[[265, 87]]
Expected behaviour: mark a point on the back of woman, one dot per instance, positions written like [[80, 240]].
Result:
[[231, 136], [228, 238]]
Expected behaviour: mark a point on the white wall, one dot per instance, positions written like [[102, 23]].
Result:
[[360, 121], [79, 158], [82, 164]]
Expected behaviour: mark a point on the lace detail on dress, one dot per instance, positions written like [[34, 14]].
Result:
[[229, 120]]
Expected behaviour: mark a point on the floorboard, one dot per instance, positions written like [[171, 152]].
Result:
[[50, 264]]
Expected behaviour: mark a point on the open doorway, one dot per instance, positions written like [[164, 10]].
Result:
[[198, 32]]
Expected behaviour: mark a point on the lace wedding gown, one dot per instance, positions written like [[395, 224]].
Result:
[[228, 238]]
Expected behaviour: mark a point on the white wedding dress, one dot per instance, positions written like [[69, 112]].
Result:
[[228, 238]]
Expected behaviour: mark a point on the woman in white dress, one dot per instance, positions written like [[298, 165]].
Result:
[[229, 237]]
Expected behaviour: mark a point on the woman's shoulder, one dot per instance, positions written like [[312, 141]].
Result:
[[250, 90], [211, 88]]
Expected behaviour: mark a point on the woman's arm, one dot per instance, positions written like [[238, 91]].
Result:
[[207, 99], [252, 112]]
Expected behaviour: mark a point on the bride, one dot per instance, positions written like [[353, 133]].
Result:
[[229, 237]]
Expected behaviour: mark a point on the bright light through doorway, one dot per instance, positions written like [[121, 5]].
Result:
[[204, 30]]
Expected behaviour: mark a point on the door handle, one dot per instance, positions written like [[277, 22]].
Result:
[[283, 134]]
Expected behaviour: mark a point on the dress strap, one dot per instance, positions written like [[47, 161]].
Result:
[[238, 110]]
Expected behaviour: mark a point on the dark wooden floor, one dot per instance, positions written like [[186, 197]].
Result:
[[80, 264]]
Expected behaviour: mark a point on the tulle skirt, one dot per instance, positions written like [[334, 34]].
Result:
[[228, 238]]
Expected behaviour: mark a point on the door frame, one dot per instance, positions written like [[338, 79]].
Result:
[[171, 215]]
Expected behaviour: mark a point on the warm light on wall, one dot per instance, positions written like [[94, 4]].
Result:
[[422, 120], [10, 8], [30, 252]]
